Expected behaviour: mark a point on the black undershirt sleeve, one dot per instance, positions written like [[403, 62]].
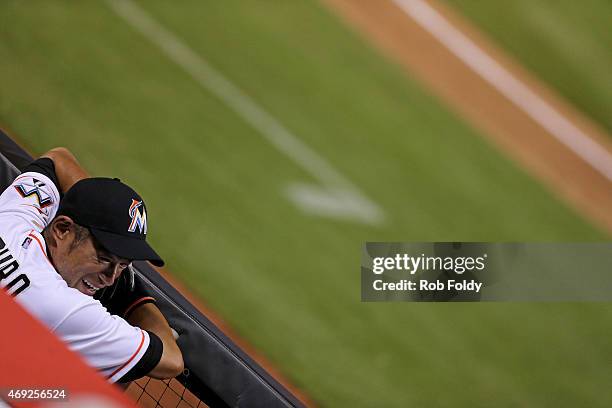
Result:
[[123, 296], [46, 167], [148, 361]]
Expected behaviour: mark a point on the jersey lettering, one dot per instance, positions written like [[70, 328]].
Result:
[[8, 265], [23, 279]]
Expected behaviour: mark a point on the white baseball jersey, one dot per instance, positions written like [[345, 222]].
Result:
[[107, 342]]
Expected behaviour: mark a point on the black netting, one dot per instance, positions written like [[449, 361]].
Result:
[[151, 393]]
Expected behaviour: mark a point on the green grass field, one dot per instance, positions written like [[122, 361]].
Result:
[[77, 75]]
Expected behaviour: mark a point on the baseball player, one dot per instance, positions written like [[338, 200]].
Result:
[[65, 237]]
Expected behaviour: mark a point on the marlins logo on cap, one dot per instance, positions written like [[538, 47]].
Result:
[[138, 219]]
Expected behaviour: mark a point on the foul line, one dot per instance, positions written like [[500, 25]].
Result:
[[338, 187], [508, 85]]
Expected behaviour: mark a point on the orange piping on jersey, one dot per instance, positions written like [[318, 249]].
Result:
[[131, 358], [42, 248], [36, 208], [39, 243], [135, 304]]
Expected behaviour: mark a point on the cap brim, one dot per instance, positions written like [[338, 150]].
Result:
[[125, 247]]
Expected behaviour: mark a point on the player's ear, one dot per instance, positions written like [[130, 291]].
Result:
[[61, 227]]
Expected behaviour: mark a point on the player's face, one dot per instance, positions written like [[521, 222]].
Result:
[[88, 267]]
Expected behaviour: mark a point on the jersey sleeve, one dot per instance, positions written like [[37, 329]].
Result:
[[32, 199], [107, 342], [45, 166]]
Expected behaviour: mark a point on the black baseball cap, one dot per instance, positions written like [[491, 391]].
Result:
[[114, 213]]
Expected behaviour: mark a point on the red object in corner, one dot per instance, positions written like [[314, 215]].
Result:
[[32, 358]]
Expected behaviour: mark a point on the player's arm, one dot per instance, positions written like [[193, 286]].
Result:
[[67, 169], [129, 298], [148, 317]]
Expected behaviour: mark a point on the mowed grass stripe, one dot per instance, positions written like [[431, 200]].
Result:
[[286, 281]]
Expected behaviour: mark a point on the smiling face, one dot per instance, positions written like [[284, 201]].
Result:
[[83, 263]]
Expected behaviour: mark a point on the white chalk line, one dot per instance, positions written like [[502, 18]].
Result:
[[338, 198], [509, 86]]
